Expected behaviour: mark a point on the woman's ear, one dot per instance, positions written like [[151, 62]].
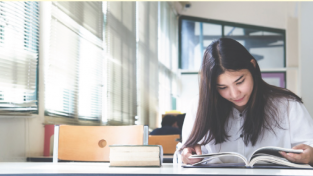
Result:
[[253, 62]]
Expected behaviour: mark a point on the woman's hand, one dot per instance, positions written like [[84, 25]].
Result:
[[306, 157], [188, 152]]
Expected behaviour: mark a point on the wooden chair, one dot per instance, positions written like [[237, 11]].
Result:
[[91, 143], [168, 142]]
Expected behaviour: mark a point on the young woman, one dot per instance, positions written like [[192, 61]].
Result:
[[238, 112]]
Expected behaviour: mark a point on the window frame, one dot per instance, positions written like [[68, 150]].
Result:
[[223, 24], [277, 71]]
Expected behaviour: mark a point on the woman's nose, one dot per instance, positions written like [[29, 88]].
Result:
[[234, 93]]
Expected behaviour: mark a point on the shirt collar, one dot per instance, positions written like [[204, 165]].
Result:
[[238, 114]]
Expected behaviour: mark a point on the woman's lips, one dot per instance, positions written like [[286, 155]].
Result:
[[239, 99]]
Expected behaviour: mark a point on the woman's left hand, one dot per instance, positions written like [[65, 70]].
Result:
[[306, 157]]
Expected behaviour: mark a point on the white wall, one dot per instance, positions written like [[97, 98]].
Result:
[[306, 54], [269, 14], [21, 137], [13, 141]]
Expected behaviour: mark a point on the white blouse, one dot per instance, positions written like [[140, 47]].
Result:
[[296, 122]]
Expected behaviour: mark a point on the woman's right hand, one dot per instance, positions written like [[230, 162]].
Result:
[[188, 152]]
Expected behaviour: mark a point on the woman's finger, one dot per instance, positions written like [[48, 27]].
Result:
[[188, 160], [187, 152], [287, 157], [194, 160], [198, 149], [296, 158], [300, 146]]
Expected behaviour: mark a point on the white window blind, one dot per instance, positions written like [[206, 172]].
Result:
[[168, 58], [73, 78], [120, 34], [19, 29], [147, 63]]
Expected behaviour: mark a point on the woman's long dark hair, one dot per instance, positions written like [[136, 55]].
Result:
[[214, 111]]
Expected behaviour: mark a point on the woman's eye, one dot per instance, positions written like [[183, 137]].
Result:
[[221, 88], [240, 82]]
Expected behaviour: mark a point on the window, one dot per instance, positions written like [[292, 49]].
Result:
[[195, 37], [267, 45], [141, 61], [102, 61], [147, 63], [19, 30], [168, 58], [120, 35], [73, 79]]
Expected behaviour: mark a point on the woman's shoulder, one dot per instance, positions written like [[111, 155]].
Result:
[[282, 96], [284, 105], [194, 101], [193, 107], [283, 100]]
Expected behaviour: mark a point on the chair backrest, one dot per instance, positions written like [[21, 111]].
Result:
[[91, 143], [168, 142]]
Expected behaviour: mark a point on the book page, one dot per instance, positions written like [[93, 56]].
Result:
[[211, 156], [277, 160], [273, 151]]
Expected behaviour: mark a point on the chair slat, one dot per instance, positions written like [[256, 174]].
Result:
[[168, 142]]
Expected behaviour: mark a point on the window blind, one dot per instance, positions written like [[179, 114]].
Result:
[[120, 34], [73, 78], [168, 59], [19, 30], [147, 63]]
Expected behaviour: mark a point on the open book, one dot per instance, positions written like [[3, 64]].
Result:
[[269, 155]]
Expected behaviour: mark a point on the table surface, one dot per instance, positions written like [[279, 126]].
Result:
[[84, 168], [167, 158]]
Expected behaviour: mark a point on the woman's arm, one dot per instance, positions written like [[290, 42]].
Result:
[[189, 120], [186, 131], [300, 124], [301, 133]]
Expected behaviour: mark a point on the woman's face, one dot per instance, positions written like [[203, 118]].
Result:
[[236, 87]]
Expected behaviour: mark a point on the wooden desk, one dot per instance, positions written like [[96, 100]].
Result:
[[84, 169]]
